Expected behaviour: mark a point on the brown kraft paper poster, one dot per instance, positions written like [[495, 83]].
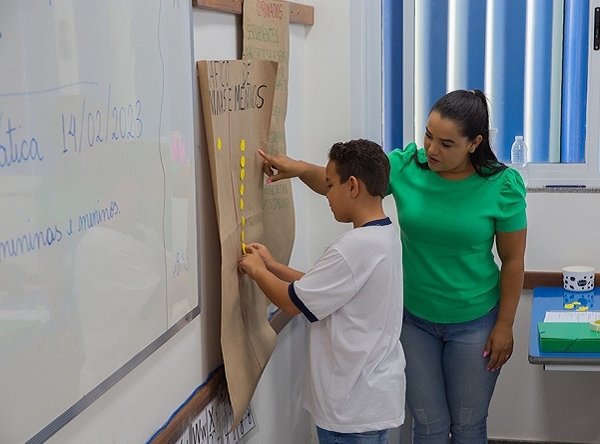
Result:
[[237, 99], [266, 37]]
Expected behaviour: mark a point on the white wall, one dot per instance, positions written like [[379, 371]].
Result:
[[530, 403]]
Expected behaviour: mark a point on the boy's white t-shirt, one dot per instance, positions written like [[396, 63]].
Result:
[[353, 297]]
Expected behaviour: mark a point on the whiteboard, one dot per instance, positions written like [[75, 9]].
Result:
[[98, 232]]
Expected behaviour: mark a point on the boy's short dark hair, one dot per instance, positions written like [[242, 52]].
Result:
[[364, 160]]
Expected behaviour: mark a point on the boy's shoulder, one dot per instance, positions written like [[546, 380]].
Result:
[[361, 240]]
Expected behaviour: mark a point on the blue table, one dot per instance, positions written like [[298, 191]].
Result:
[[554, 298]]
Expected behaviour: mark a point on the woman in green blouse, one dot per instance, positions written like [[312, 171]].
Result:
[[456, 203]]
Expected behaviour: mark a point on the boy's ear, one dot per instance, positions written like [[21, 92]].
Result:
[[353, 186]]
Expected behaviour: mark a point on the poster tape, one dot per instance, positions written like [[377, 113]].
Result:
[[595, 325]]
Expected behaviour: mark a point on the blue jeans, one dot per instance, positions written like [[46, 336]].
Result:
[[374, 437], [448, 388]]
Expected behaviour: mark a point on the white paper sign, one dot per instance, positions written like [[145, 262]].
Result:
[[211, 426], [571, 316]]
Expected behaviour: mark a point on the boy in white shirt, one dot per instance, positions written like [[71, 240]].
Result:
[[352, 296]]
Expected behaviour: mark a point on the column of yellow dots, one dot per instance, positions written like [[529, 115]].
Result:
[[242, 176]]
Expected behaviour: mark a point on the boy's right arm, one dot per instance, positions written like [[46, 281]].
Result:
[[272, 286], [276, 290], [283, 272], [281, 166]]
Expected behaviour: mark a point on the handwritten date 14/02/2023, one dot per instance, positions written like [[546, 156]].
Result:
[[91, 127]]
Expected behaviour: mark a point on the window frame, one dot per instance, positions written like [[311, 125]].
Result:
[[540, 174]]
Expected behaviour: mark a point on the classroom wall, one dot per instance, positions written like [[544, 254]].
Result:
[[528, 404]]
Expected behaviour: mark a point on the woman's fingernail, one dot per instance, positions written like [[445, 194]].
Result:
[[268, 180], [261, 151], [484, 353]]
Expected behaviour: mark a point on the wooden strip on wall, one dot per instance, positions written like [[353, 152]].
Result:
[[299, 13], [548, 279], [192, 408], [542, 279], [279, 320]]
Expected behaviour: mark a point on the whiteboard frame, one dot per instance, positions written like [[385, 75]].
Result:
[[48, 431]]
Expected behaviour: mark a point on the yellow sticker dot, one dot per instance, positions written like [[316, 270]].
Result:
[[243, 221], [243, 248], [243, 236], [576, 303], [241, 189], [243, 145], [583, 308], [243, 161], [241, 204], [219, 144], [242, 174], [597, 322], [569, 306]]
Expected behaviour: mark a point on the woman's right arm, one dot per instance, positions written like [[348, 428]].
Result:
[[280, 166]]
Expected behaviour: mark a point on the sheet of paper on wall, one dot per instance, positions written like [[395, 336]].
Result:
[[266, 37], [237, 101], [571, 316], [213, 423]]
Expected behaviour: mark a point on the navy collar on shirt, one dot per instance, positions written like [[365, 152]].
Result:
[[378, 222]]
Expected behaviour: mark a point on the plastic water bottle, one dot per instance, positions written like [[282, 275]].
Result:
[[518, 157]]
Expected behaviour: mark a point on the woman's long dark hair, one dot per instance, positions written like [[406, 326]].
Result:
[[469, 110]]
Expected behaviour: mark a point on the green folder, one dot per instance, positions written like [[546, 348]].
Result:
[[568, 337]]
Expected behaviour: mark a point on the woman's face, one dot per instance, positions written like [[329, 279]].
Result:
[[447, 150]]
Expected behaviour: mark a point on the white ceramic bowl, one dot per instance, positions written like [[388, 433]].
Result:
[[578, 278]]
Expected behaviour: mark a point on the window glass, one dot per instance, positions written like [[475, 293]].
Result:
[[531, 58]]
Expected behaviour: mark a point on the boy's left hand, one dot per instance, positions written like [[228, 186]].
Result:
[[251, 262]]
